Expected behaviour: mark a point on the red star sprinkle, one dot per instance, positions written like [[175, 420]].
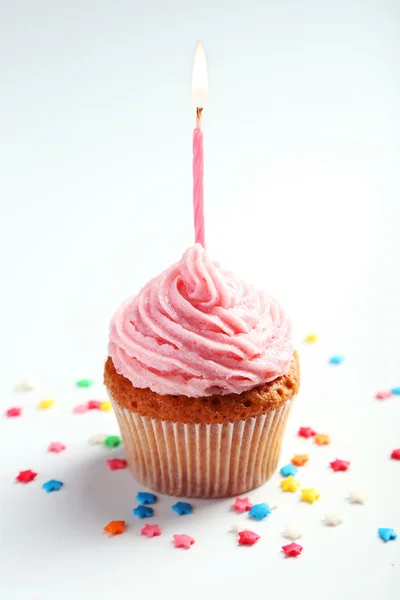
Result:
[[183, 541], [151, 530], [306, 432], [248, 538], [93, 405], [13, 412], [383, 395], [115, 527], [340, 465], [396, 454], [242, 504], [292, 549], [56, 447], [116, 463], [26, 476]]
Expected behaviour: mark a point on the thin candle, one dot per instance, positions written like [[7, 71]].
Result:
[[199, 96]]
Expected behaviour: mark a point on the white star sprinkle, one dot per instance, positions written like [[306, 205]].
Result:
[[292, 532], [27, 385], [272, 503], [358, 497], [242, 526], [333, 519], [98, 438]]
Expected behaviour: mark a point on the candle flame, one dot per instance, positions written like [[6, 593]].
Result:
[[199, 77]]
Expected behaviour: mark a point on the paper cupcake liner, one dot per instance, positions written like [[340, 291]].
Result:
[[200, 460]]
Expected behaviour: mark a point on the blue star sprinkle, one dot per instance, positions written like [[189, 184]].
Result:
[[143, 512], [259, 511], [182, 508], [395, 391], [387, 533], [146, 498], [52, 485], [289, 470], [336, 360]]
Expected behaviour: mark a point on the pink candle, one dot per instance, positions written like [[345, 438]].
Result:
[[199, 95]]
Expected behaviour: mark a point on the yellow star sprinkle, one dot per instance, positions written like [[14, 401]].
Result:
[[309, 495], [44, 404], [322, 439], [290, 484], [311, 338], [106, 406]]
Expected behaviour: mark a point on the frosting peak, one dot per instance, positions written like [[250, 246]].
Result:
[[195, 330]]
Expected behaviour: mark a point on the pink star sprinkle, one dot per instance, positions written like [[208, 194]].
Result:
[[116, 463], [151, 530], [340, 465], [13, 412], [93, 404], [292, 549], [183, 541], [26, 476], [306, 432], [396, 454], [242, 505], [383, 394], [56, 447], [248, 538], [79, 409]]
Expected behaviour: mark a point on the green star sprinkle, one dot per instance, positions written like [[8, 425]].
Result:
[[84, 383], [112, 441]]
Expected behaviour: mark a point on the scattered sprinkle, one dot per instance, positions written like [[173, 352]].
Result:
[[311, 338], [146, 498], [115, 527], [98, 439], [259, 511], [182, 508], [84, 383], [13, 412], [322, 439], [79, 409], [114, 464], [289, 470], [26, 476], [395, 391], [272, 503], [383, 394], [151, 530], [290, 484], [56, 447], [52, 485], [358, 497], [306, 432], [25, 386], [240, 526], [248, 538], [299, 460], [387, 533], [339, 465], [336, 360], [45, 404], [309, 495], [183, 541], [143, 512], [292, 532], [292, 549], [105, 406], [396, 454], [112, 441], [242, 505], [333, 519], [93, 404]]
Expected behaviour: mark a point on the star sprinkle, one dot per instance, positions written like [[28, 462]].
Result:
[[248, 538], [146, 498], [114, 464], [292, 532], [143, 512], [289, 470], [311, 338], [299, 460], [240, 526], [358, 497], [290, 484], [292, 549], [395, 391], [56, 447], [25, 386], [387, 533], [241, 505], [13, 412], [112, 441], [79, 409], [322, 439], [183, 541], [333, 519], [98, 439], [336, 360], [259, 511], [26, 476], [52, 485], [272, 503], [182, 508], [339, 465], [309, 495], [306, 432], [115, 527], [396, 454], [151, 530], [383, 394], [93, 404], [45, 404], [105, 406], [84, 383]]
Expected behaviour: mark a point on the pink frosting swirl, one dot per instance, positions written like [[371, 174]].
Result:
[[196, 330]]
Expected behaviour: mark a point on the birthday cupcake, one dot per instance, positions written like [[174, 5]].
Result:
[[202, 375]]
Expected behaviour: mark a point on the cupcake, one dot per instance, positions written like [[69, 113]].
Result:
[[202, 375]]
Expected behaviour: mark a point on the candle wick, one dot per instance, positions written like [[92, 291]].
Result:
[[199, 112]]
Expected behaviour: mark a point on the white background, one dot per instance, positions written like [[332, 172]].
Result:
[[302, 145]]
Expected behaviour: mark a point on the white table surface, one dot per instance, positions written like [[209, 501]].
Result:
[[302, 198]]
